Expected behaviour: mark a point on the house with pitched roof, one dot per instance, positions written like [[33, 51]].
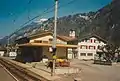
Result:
[[89, 46], [35, 47], [2, 51]]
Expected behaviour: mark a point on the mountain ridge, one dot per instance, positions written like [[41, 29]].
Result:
[[105, 22]]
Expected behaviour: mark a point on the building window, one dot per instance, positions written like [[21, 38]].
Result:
[[94, 41], [70, 52], [50, 39], [90, 54], [37, 41], [82, 41], [98, 47], [40, 41], [85, 40], [91, 40], [83, 54], [88, 40], [83, 47], [99, 41], [87, 47], [44, 41], [92, 47]]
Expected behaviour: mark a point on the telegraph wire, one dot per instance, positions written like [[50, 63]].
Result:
[[16, 17], [30, 1], [44, 12]]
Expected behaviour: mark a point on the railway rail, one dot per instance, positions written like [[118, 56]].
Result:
[[20, 73]]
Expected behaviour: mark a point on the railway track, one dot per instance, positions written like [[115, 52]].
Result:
[[20, 73]]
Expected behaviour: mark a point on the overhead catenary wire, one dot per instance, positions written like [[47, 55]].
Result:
[[43, 13], [29, 2], [48, 10], [14, 20], [25, 8]]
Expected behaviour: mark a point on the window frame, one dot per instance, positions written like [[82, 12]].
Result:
[[82, 54], [88, 54]]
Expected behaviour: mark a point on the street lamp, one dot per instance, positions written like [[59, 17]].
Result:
[[54, 38]]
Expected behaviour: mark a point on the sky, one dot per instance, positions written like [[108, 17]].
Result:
[[13, 13]]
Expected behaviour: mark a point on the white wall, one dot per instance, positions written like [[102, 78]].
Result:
[[88, 43], [2, 53], [86, 51], [70, 54], [93, 44], [12, 54]]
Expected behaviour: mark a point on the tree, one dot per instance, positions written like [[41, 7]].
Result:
[[110, 52]]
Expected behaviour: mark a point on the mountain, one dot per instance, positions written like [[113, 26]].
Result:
[[78, 22], [105, 22], [27, 30]]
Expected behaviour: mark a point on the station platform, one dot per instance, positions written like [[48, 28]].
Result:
[[40, 69]]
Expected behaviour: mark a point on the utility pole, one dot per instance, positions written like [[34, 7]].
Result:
[[8, 46], [54, 38]]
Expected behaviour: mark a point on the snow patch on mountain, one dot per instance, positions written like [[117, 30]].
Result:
[[84, 17], [41, 21]]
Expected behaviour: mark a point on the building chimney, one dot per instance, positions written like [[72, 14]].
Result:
[[72, 33]]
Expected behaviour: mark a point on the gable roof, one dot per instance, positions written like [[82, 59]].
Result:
[[40, 35], [92, 35], [2, 48], [64, 38], [22, 40]]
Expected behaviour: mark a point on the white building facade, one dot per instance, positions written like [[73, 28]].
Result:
[[88, 47], [2, 53]]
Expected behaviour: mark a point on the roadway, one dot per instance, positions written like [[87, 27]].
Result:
[[4, 75], [94, 72]]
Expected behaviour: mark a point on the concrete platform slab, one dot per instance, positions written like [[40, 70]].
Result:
[[58, 70]]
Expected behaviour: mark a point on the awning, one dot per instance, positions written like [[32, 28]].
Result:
[[47, 45]]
